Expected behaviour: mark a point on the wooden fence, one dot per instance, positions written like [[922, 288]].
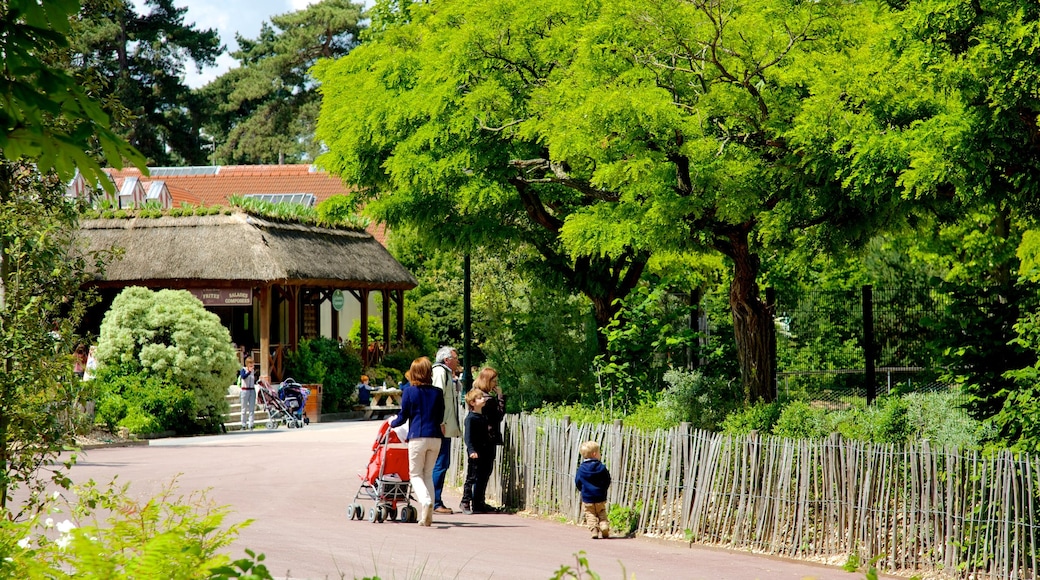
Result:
[[922, 510]]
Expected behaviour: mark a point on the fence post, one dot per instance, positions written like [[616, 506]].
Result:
[[869, 345]]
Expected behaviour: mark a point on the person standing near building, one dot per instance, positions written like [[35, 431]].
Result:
[[444, 379], [247, 393]]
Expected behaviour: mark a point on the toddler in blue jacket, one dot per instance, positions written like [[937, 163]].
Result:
[[593, 479]]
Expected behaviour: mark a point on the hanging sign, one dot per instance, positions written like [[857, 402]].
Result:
[[337, 300], [224, 296]]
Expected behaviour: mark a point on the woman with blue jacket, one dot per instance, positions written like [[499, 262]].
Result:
[[422, 405]]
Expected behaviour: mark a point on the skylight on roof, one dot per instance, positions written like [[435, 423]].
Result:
[[304, 199], [182, 171]]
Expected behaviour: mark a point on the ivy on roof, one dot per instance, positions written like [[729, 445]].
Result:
[[334, 212]]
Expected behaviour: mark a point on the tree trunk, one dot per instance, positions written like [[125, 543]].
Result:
[[752, 324]]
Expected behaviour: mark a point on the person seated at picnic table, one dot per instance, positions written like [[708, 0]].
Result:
[[364, 391]]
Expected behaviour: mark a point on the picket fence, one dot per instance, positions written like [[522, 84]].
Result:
[[916, 508]]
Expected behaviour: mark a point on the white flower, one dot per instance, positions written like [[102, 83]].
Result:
[[24, 543], [63, 542], [55, 495], [48, 523], [66, 527]]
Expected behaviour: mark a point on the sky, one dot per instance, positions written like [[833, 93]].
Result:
[[228, 17]]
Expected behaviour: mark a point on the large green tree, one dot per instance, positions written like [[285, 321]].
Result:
[[601, 132], [140, 61], [265, 110]]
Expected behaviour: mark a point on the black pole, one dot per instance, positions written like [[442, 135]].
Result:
[[869, 346], [467, 338]]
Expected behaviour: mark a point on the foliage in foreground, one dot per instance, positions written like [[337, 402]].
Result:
[[41, 302], [104, 533], [169, 334]]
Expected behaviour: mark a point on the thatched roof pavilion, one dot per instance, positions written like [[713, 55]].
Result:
[[238, 251]]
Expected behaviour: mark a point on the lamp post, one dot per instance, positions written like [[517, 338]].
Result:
[[467, 338]]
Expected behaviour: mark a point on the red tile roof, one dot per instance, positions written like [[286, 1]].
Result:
[[214, 185]]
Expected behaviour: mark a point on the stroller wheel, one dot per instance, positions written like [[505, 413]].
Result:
[[375, 515], [352, 511], [391, 514], [271, 423], [306, 420], [409, 515], [290, 424]]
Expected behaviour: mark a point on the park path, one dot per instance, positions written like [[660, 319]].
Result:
[[296, 484]]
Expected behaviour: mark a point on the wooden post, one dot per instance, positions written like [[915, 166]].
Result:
[[293, 294], [386, 320], [362, 297], [399, 297], [265, 333]]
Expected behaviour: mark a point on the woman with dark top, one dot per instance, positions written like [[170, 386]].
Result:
[[422, 405]]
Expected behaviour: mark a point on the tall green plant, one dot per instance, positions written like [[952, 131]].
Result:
[[170, 334]]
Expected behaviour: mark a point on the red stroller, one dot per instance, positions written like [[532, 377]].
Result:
[[385, 481]]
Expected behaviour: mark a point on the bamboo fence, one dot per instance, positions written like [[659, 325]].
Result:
[[917, 509]]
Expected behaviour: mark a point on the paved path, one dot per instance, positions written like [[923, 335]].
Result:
[[296, 485]]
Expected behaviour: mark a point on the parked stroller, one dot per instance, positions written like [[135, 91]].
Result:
[[385, 481], [294, 395], [277, 410]]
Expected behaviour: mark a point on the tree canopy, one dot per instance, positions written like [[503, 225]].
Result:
[[139, 61], [600, 133], [265, 110]]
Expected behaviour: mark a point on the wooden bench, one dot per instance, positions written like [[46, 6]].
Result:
[[383, 402]]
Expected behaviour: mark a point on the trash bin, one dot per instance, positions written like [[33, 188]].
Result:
[[312, 408]]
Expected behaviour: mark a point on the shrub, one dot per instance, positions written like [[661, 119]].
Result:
[[578, 414], [800, 420], [325, 361], [650, 415], [171, 407], [140, 422], [853, 423], [401, 360], [624, 521], [169, 334], [700, 400], [110, 410], [892, 421], [760, 417]]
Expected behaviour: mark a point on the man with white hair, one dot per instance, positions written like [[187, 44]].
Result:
[[444, 379]]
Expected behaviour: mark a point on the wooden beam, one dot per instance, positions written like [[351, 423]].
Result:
[[265, 333], [386, 320]]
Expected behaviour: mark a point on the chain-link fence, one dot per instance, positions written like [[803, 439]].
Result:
[[840, 346]]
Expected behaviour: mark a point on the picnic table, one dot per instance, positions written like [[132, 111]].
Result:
[[383, 401]]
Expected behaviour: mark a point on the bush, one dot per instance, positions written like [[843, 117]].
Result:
[[800, 420], [892, 422], [169, 335], [649, 415], [624, 521], [336, 367], [401, 360], [760, 417], [140, 422], [700, 400], [169, 406], [110, 410]]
